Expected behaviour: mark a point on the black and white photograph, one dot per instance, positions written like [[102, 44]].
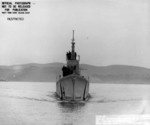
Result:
[[74, 62]]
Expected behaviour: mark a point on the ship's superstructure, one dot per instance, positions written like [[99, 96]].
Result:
[[71, 85]]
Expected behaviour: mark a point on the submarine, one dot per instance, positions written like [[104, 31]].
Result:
[[71, 85]]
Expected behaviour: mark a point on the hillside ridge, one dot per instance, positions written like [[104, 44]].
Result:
[[34, 72]]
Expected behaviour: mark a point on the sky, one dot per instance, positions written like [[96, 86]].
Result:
[[107, 32]]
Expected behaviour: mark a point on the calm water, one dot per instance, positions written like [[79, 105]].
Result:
[[30, 103]]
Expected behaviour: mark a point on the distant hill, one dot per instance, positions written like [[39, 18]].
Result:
[[48, 72]]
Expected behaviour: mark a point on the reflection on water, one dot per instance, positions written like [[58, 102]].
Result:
[[73, 112], [69, 107]]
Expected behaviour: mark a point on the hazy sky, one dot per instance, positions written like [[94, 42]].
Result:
[[106, 32]]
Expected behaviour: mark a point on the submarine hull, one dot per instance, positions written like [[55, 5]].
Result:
[[72, 87]]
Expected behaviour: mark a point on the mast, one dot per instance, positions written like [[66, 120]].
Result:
[[73, 43]]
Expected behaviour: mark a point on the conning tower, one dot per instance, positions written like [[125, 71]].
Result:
[[72, 61]]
